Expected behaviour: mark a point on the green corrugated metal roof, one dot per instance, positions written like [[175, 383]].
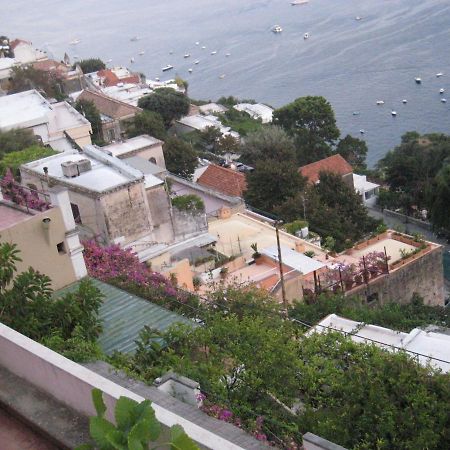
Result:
[[123, 316]]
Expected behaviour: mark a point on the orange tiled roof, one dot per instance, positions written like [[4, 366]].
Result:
[[109, 106], [335, 164], [223, 180], [111, 79], [13, 44]]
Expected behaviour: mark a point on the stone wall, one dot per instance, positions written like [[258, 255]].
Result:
[[186, 224], [422, 275], [126, 214], [159, 205]]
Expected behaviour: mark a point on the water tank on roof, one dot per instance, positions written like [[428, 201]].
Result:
[[84, 165], [69, 169]]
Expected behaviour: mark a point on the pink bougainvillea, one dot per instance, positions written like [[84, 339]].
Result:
[[21, 195], [122, 265]]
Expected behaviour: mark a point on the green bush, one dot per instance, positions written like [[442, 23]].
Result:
[[190, 203]]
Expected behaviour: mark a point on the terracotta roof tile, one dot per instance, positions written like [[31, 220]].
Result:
[[335, 164], [111, 79], [223, 180], [109, 106]]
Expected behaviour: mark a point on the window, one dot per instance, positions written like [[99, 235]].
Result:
[[76, 213], [61, 248], [152, 160]]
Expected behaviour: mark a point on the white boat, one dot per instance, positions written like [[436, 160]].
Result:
[[171, 52], [362, 131], [380, 102], [443, 100], [277, 29], [439, 74], [131, 60], [168, 67], [222, 76], [142, 53], [156, 79], [197, 43], [418, 80], [190, 70], [394, 113], [227, 54], [134, 39], [358, 18], [187, 55], [196, 61], [75, 42], [214, 52], [203, 47], [404, 101], [299, 2], [306, 36], [356, 113], [441, 91]]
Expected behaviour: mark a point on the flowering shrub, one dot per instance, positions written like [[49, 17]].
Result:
[[20, 195], [122, 267], [375, 262], [226, 415]]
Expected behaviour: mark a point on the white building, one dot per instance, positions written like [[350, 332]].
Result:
[[127, 92], [421, 343], [51, 122], [198, 122], [212, 108], [367, 190], [257, 111]]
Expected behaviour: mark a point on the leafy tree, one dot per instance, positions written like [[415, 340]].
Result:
[[24, 78], [90, 111], [411, 168], [269, 142], [27, 305], [14, 160], [147, 122], [226, 144], [15, 140], [209, 137], [354, 151], [440, 214], [135, 427], [334, 209], [167, 102], [272, 183], [91, 65], [180, 157], [401, 317], [192, 203], [311, 121]]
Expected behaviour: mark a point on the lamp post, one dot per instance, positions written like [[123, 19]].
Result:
[[280, 262]]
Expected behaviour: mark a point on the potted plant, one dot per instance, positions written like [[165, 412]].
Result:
[[254, 247]]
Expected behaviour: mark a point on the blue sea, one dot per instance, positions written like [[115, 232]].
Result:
[[353, 63]]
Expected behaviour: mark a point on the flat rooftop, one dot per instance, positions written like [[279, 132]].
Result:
[[101, 177], [63, 117], [393, 249], [23, 110], [236, 234], [10, 216], [130, 145]]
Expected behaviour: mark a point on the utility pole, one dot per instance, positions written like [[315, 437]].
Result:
[[280, 262]]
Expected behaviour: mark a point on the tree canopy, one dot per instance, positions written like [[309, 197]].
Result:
[[312, 122], [91, 113], [15, 140], [354, 151], [68, 324], [14, 160], [147, 122], [167, 102], [272, 183], [180, 157], [269, 142], [24, 78], [91, 65]]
